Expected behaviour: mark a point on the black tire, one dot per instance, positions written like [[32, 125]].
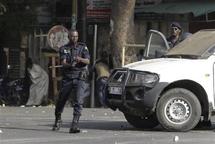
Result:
[[178, 110], [142, 122]]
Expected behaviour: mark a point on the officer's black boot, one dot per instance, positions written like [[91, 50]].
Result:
[[58, 123], [74, 127]]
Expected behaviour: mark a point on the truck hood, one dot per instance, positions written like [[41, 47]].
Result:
[[166, 65]]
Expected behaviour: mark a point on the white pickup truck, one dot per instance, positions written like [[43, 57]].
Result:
[[174, 87]]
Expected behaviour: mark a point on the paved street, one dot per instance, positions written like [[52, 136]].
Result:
[[24, 125]]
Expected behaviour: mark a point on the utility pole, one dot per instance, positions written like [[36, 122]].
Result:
[[74, 14], [82, 12]]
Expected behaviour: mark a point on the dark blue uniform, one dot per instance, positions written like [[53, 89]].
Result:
[[74, 78], [173, 41]]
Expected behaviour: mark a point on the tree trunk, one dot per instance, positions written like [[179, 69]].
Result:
[[122, 12]]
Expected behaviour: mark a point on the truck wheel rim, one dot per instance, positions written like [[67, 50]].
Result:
[[178, 111]]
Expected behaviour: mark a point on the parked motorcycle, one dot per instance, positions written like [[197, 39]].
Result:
[[11, 92]]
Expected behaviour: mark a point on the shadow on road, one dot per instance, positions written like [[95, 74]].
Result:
[[99, 125]]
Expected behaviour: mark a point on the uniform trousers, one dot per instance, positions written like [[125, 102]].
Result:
[[81, 91], [101, 84]]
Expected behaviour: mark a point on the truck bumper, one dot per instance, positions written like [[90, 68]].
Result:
[[136, 100]]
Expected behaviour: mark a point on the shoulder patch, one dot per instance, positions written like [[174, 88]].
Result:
[[86, 48], [66, 50], [81, 43]]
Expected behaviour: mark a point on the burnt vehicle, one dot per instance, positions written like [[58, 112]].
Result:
[[171, 87]]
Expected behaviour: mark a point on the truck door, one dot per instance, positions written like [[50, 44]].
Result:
[[156, 45]]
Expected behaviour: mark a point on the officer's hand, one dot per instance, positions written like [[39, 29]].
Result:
[[65, 64], [79, 59], [83, 60]]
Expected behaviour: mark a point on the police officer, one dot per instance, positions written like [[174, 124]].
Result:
[[74, 58]]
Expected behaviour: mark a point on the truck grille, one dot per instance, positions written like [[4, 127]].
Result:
[[118, 77]]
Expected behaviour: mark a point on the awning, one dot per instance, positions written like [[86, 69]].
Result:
[[196, 8]]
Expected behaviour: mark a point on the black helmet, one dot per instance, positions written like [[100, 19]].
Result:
[[176, 24]]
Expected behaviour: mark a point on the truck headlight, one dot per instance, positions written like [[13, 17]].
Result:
[[143, 78]]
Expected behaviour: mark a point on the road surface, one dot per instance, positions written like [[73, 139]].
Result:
[[32, 125]]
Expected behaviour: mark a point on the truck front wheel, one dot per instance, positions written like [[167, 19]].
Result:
[[178, 110]]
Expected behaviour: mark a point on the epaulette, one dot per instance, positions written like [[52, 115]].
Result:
[[81, 43], [64, 46]]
